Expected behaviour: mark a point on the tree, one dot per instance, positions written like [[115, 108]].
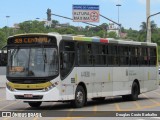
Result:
[[54, 23], [2, 39], [104, 26], [153, 26], [101, 33], [123, 30], [112, 34], [143, 27]]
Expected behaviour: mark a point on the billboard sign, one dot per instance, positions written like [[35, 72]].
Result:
[[85, 13]]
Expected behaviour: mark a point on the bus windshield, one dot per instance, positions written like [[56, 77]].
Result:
[[32, 62]]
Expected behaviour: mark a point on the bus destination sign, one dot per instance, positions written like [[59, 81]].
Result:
[[32, 40]]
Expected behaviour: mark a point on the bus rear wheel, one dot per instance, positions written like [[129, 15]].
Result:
[[134, 92], [80, 98], [35, 104]]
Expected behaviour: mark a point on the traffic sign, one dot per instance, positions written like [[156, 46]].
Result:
[[85, 13]]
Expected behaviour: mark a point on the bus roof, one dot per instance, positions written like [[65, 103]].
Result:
[[89, 39], [107, 40]]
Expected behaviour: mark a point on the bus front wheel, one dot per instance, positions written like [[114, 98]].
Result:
[[35, 104], [80, 97]]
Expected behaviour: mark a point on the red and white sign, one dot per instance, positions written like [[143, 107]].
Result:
[[85, 13]]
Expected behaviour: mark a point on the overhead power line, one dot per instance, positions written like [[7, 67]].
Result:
[[72, 19]]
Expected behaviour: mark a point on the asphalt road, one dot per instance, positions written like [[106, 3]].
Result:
[[149, 102]]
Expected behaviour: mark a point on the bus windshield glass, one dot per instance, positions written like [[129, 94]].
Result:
[[32, 62]]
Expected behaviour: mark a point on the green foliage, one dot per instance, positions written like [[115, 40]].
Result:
[[112, 35], [158, 53], [101, 31], [2, 39]]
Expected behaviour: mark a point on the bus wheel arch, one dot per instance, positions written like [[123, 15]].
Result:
[[80, 96]]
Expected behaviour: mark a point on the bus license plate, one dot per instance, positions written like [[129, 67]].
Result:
[[28, 95]]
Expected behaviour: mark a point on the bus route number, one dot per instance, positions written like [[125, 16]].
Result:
[[18, 41], [85, 74]]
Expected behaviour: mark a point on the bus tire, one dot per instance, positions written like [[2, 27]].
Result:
[[80, 97], [134, 92], [35, 104]]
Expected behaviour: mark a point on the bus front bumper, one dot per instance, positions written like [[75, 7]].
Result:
[[33, 95]]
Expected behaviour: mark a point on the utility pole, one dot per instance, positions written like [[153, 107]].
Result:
[[49, 20], [118, 5], [7, 27], [148, 23], [119, 28]]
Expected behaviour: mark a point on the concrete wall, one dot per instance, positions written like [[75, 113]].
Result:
[[2, 76]]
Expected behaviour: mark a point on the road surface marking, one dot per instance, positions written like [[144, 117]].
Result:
[[151, 99], [95, 108], [142, 107], [6, 118], [9, 105], [44, 111], [69, 112], [117, 107], [36, 118], [156, 93], [2, 100], [137, 105]]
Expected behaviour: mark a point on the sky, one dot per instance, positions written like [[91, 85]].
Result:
[[131, 13]]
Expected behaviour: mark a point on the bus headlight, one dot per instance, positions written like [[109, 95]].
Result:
[[50, 87], [9, 87]]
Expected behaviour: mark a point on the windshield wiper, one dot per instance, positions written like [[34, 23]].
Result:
[[44, 57], [15, 50]]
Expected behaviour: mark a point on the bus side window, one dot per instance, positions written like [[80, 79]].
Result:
[[84, 54], [123, 55], [143, 56], [153, 56], [99, 51], [112, 55], [133, 53]]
